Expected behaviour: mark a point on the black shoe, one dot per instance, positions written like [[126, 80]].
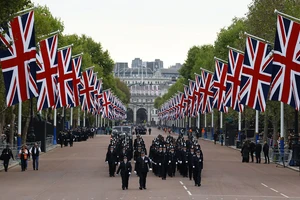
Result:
[[33, 168], [123, 188], [199, 185], [144, 188], [37, 169], [126, 188], [140, 188], [195, 184]]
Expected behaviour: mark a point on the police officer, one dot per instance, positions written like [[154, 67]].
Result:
[[142, 167], [111, 159], [125, 168], [172, 162], [198, 166]]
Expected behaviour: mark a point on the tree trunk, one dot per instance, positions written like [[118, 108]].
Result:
[[12, 126], [25, 130], [266, 127], [2, 122]]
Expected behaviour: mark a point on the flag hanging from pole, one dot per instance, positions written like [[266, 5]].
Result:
[[64, 94], [286, 63], [76, 76], [18, 59], [46, 75], [256, 74], [86, 90], [220, 77], [206, 90]]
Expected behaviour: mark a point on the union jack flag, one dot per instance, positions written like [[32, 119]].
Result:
[[64, 93], [256, 74], [76, 76], [235, 63], [46, 76], [197, 93], [186, 100], [286, 63], [18, 59], [192, 98], [206, 91], [220, 77], [106, 104], [87, 90], [181, 105], [98, 96]]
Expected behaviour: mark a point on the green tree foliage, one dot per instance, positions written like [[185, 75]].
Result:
[[205, 59], [9, 8], [186, 69]]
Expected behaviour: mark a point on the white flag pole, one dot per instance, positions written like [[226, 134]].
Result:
[[281, 139], [19, 139], [205, 125], [256, 126], [54, 126], [240, 126], [83, 118], [78, 117], [212, 125]]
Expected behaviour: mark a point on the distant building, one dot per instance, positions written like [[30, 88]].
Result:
[[120, 67], [136, 63], [177, 66]]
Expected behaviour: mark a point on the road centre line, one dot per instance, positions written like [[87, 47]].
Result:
[[264, 185], [284, 195], [189, 193], [185, 188], [275, 190], [181, 182]]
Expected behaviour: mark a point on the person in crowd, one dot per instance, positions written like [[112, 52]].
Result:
[[35, 154], [245, 151], [258, 149], [197, 167], [61, 139], [172, 162], [6, 155], [112, 160], [252, 150], [149, 130], [125, 168], [191, 156], [215, 138], [266, 152], [24, 155], [142, 167]]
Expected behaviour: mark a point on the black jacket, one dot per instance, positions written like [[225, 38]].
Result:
[[125, 168], [142, 165], [266, 148], [7, 154], [198, 162], [111, 157], [258, 148]]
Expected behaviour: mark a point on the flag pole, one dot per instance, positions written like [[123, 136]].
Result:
[[239, 51], [256, 126], [83, 118], [77, 55], [240, 126], [61, 48], [221, 125], [205, 125], [286, 15], [19, 139], [71, 118], [78, 117], [282, 128], [258, 38], [49, 35], [212, 125], [54, 126], [219, 59], [206, 70], [24, 11]]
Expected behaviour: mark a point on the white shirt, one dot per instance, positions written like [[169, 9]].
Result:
[[34, 150]]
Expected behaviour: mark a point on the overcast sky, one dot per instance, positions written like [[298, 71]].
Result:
[[148, 29]]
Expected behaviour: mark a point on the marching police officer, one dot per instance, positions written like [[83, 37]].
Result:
[[198, 166], [125, 168], [111, 159], [142, 166]]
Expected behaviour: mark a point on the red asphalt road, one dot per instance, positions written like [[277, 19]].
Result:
[[80, 173]]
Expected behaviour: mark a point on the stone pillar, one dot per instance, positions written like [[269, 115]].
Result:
[[134, 114], [149, 115]]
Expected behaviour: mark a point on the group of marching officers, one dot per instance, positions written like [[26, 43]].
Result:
[[166, 157]]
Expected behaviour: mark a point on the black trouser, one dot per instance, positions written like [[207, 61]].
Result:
[[197, 176], [190, 171], [163, 170], [112, 168], [125, 178], [23, 164], [252, 156], [171, 169], [267, 159], [143, 176], [5, 164], [258, 157], [184, 169]]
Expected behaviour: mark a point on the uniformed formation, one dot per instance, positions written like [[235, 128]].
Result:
[[68, 136], [166, 156]]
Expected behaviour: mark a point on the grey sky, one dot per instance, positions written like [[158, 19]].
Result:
[[163, 29]]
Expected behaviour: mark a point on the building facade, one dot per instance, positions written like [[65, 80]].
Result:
[[146, 83]]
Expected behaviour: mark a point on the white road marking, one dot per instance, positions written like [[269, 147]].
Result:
[[264, 185], [184, 187], [273, 189], [284, 195], [181, 182], [189, 193]]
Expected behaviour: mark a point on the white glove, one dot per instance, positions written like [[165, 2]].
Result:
[[159, 164], [134, 161], [200, 160], [135, 172], [129, 173], [117, 174], [150, 169], [169, 161], [118, 163], [186, 161], [106, 161], [193, 166], [176, 163]]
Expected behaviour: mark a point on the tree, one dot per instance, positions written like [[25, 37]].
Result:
[[9, 8]]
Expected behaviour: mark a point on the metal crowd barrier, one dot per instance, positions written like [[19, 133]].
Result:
[[281, 157]]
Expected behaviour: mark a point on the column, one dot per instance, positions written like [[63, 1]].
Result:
[[134, 114]]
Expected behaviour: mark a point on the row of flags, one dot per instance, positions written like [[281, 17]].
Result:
[[145, 90], [247, 79], [51, 75]]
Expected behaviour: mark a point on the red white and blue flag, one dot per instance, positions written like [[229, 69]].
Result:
[[18, 59], [64, 94], [285, 85], [206, 91], [46, 75], [76, 76], [98, 96], [86, 90], [197, 93], [235, 63], [106, 104], [192, 98], [220, 77], [256, 74]]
